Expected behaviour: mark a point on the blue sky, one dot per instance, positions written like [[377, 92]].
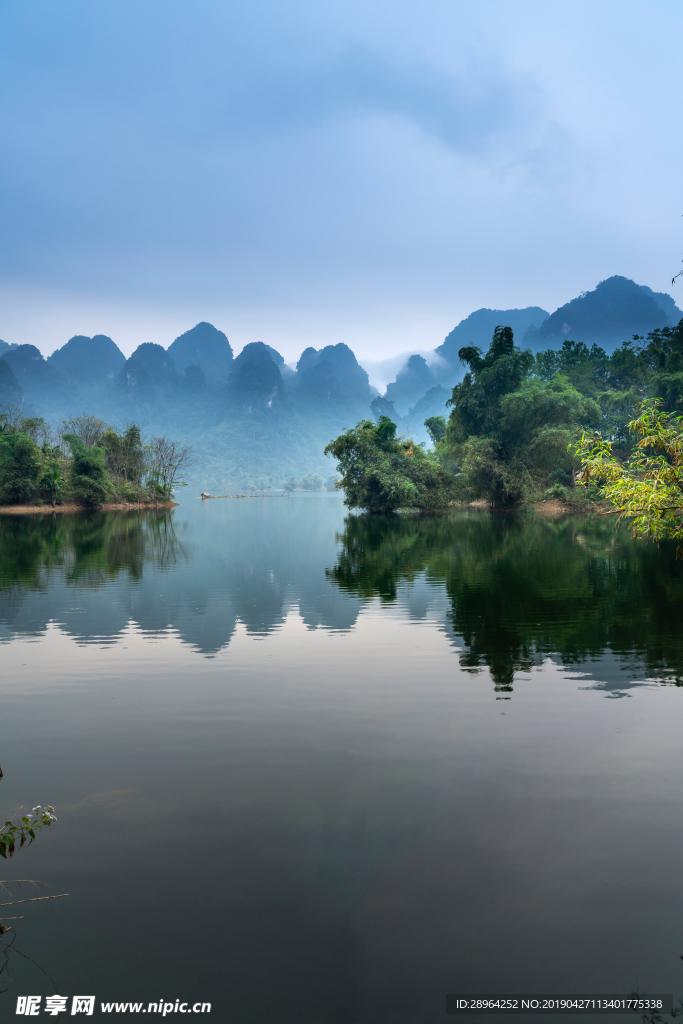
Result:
[[306, 173]]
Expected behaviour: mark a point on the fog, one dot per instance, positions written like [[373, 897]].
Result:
[[312, 174]]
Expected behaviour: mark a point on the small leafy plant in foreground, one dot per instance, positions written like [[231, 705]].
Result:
[[11, 832], [648, 488]]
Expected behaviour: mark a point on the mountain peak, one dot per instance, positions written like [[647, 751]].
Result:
[[615, 310]]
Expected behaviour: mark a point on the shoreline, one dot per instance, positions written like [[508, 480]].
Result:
[[124, 506], [547, 508], [550, 508]]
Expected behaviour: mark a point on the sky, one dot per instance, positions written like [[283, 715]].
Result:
[[305, 173]]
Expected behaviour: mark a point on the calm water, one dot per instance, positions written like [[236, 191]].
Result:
[[313, 768]]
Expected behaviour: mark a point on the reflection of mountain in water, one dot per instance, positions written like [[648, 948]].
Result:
[[508, 591], [524, 589], [93, 574]]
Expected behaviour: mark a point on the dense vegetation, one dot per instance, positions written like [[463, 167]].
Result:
[[381, 472], [509, 430], [647, 489], [514, 415], [514, 422], [84, 461]]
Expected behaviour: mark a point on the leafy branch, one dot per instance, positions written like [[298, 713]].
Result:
[[648, 488], [25, 829]]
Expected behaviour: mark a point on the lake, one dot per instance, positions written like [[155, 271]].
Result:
[[311, 767]]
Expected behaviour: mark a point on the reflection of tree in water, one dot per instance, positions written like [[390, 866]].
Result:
[[522, 588], [89, 548]]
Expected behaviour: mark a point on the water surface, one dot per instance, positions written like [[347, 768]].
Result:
[[319, 768]]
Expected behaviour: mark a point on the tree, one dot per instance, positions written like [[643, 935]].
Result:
[[436, 426], [20, 467], [52, 479], [312, 482], [508, 432], [11, 416], [88, 429], [87, 474], [169, 459], [125, 453], [648, 488], [36, 428], [381, 472]]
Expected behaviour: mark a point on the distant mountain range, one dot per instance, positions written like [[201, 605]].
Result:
[[254, 420], [613, 312]]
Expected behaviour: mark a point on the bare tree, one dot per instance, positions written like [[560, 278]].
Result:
[[88, 429], [169, 460], [11, 416]]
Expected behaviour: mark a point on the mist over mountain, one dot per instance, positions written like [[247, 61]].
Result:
[[149, 370], [332, 377], [255, 380], [203, 346], [253, 420], [90, 361], [30, 368], [11, 391], [613, 312], [478, 327], [411, 383]]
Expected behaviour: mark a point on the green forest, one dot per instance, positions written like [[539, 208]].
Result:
[[515, 424], [85, 462]]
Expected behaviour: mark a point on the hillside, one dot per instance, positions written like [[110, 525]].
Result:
[[612, 313], [253, 420]]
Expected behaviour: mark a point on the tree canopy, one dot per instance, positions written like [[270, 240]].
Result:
[[508, 430], [647, 490], [381, 472], [84, 461]]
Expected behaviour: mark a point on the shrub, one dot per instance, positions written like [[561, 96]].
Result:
[[381, 473], [87, 475], [20, 468], [557, 491]]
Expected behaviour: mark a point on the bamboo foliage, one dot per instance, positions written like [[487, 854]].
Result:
[[647, 489]]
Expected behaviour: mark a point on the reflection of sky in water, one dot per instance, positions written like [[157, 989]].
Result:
[[306, 802], [611, 674]]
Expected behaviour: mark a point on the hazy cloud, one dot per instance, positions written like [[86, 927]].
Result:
[[352, 172]]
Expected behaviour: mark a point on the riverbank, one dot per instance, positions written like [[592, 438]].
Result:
[[548, 508], [124, 506]]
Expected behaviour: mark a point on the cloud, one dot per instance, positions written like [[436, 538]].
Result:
[[462, 111], [348, 164]]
